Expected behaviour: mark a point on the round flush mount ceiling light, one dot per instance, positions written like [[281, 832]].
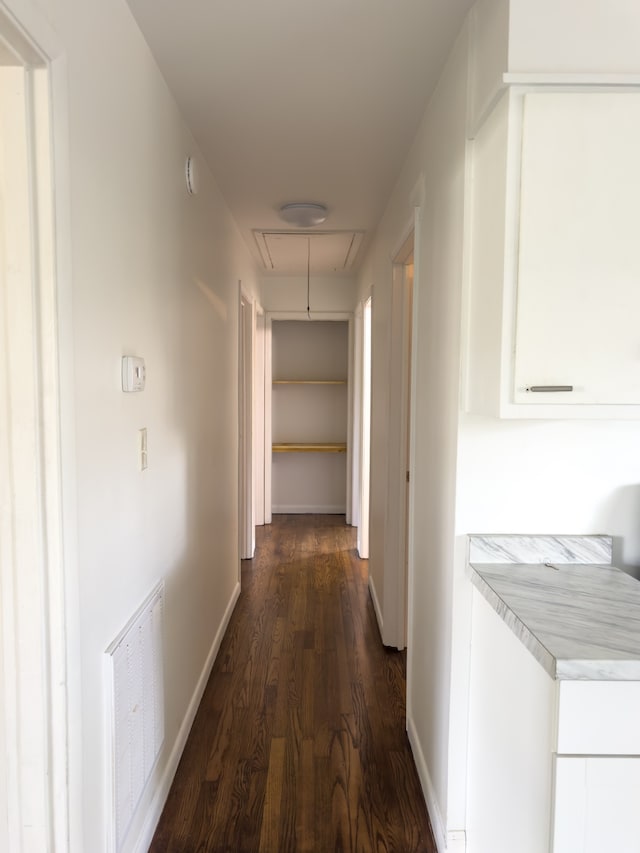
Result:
[[303, 214]]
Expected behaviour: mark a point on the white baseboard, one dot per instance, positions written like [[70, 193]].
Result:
[[376, 604], [447, 842], [162, 792], [297, 509]]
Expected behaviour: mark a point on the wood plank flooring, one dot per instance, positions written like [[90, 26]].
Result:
[[299, 745]]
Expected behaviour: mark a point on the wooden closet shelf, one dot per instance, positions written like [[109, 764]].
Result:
[[326, 447]]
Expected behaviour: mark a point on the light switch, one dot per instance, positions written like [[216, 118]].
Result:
[[144, 461]]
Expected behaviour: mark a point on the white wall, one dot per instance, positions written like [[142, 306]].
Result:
[[440, 268], [489, 30], [574, 36], [434, 173], [155, 274], [552, 477], [477, 474]]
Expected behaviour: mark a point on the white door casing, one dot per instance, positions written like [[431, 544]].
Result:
[[39, 793], [259, 415], [246, 396], [397, 515], [303, 317], [364, 438]]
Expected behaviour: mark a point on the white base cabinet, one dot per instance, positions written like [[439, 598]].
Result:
[[554, 291], [552, 765], [597, 805]]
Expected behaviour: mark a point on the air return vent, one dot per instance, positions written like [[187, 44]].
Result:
[[135, 705]]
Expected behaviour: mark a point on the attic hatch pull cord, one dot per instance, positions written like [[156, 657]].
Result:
[[308, 276]]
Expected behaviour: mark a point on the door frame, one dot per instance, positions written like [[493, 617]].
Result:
[[361, 442], [398, 521], [302, 316], [39, 643], [246, 422], [259, 418]]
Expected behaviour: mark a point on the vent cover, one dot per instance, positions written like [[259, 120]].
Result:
[[286, 251], [135, 708]]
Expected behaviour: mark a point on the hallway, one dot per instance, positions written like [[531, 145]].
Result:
[[299, 743]]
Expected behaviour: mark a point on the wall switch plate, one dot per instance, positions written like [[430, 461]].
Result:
[[144, 459], [134, 373]]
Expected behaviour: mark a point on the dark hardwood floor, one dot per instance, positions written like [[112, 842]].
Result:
[[299, 743]]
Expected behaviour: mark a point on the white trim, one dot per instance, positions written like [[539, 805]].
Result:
[[467, 266], [66, 379], [356, 420], [376, 605], [259, 418], [417, 255], [37, 33], [268, 434], [589, 78], [350, 421], [363, 439], [246, 418], [393, 566], [453, 841], [398, 423], [32, 38], [142, 843], [534, 82]]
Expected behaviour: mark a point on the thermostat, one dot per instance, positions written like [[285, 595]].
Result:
[[133, 373]]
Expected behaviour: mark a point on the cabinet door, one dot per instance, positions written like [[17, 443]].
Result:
[[578, 287], [596, 805]]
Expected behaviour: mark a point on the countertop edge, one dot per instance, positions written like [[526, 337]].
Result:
[[559, 668], [515, 624]]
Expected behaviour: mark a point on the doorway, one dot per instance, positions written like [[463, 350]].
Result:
[[34, 677], [308, 409]]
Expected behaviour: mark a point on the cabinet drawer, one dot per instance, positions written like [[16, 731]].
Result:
[[596, 805], [599, 718]]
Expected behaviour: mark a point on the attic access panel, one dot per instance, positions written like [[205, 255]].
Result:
[[288, 251]]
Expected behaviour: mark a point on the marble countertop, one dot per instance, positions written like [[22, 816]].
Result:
[[575, 612]]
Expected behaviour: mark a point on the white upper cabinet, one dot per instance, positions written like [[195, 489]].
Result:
[[554, 300]]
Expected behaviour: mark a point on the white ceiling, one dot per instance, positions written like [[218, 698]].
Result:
[[302, 100]]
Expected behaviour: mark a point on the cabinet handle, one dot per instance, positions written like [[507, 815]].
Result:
[[545, 389]]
